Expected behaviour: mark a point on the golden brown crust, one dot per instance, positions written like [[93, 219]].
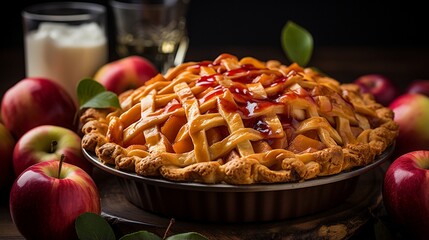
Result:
[[240, 121]]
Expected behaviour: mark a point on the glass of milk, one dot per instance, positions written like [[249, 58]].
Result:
[[65, 41]]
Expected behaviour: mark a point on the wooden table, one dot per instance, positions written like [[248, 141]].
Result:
[[345, 64]]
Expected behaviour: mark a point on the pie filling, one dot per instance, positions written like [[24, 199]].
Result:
[[240, 121]]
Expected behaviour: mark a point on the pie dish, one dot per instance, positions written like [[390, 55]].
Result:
[[228, 203], [240, 121]]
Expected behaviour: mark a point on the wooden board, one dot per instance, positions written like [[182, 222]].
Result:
[[340, 222]]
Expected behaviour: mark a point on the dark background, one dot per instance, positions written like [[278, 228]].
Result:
[[238, 22]]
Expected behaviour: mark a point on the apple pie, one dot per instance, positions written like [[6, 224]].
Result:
[[240, 121]]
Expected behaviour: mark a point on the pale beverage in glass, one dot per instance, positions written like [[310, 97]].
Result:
[[154, 29]]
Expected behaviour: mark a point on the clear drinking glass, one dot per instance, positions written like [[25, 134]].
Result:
[[154, 29], [65, 41]]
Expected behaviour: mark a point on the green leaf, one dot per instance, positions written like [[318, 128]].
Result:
[[140, 235], [187, 236], [91, 226], [297, 43], [87, 88], [102, 100], [92, 94]]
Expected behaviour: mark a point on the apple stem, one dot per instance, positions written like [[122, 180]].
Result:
[[53, 146], [60, 165], [168, 228]]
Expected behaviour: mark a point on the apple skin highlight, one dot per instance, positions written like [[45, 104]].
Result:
[[410, 112], [36, 146], [126, 73], [406, 193], [32, 102], [43, 206], [380, 86]]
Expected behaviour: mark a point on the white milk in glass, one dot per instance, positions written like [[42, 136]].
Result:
[[65, 53]]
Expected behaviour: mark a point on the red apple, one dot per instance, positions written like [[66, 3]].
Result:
[[412, 115], [126, 73], [33, 102], [419, 86], [44, 205], [7, 143], [36, 146], [406, 193], [380, 86]]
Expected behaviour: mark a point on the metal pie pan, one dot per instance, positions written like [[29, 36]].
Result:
[[237, 203]]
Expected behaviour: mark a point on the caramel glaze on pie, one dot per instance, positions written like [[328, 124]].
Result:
[[240, 121]]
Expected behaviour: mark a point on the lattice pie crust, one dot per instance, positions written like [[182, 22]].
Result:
[[240, 121]]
